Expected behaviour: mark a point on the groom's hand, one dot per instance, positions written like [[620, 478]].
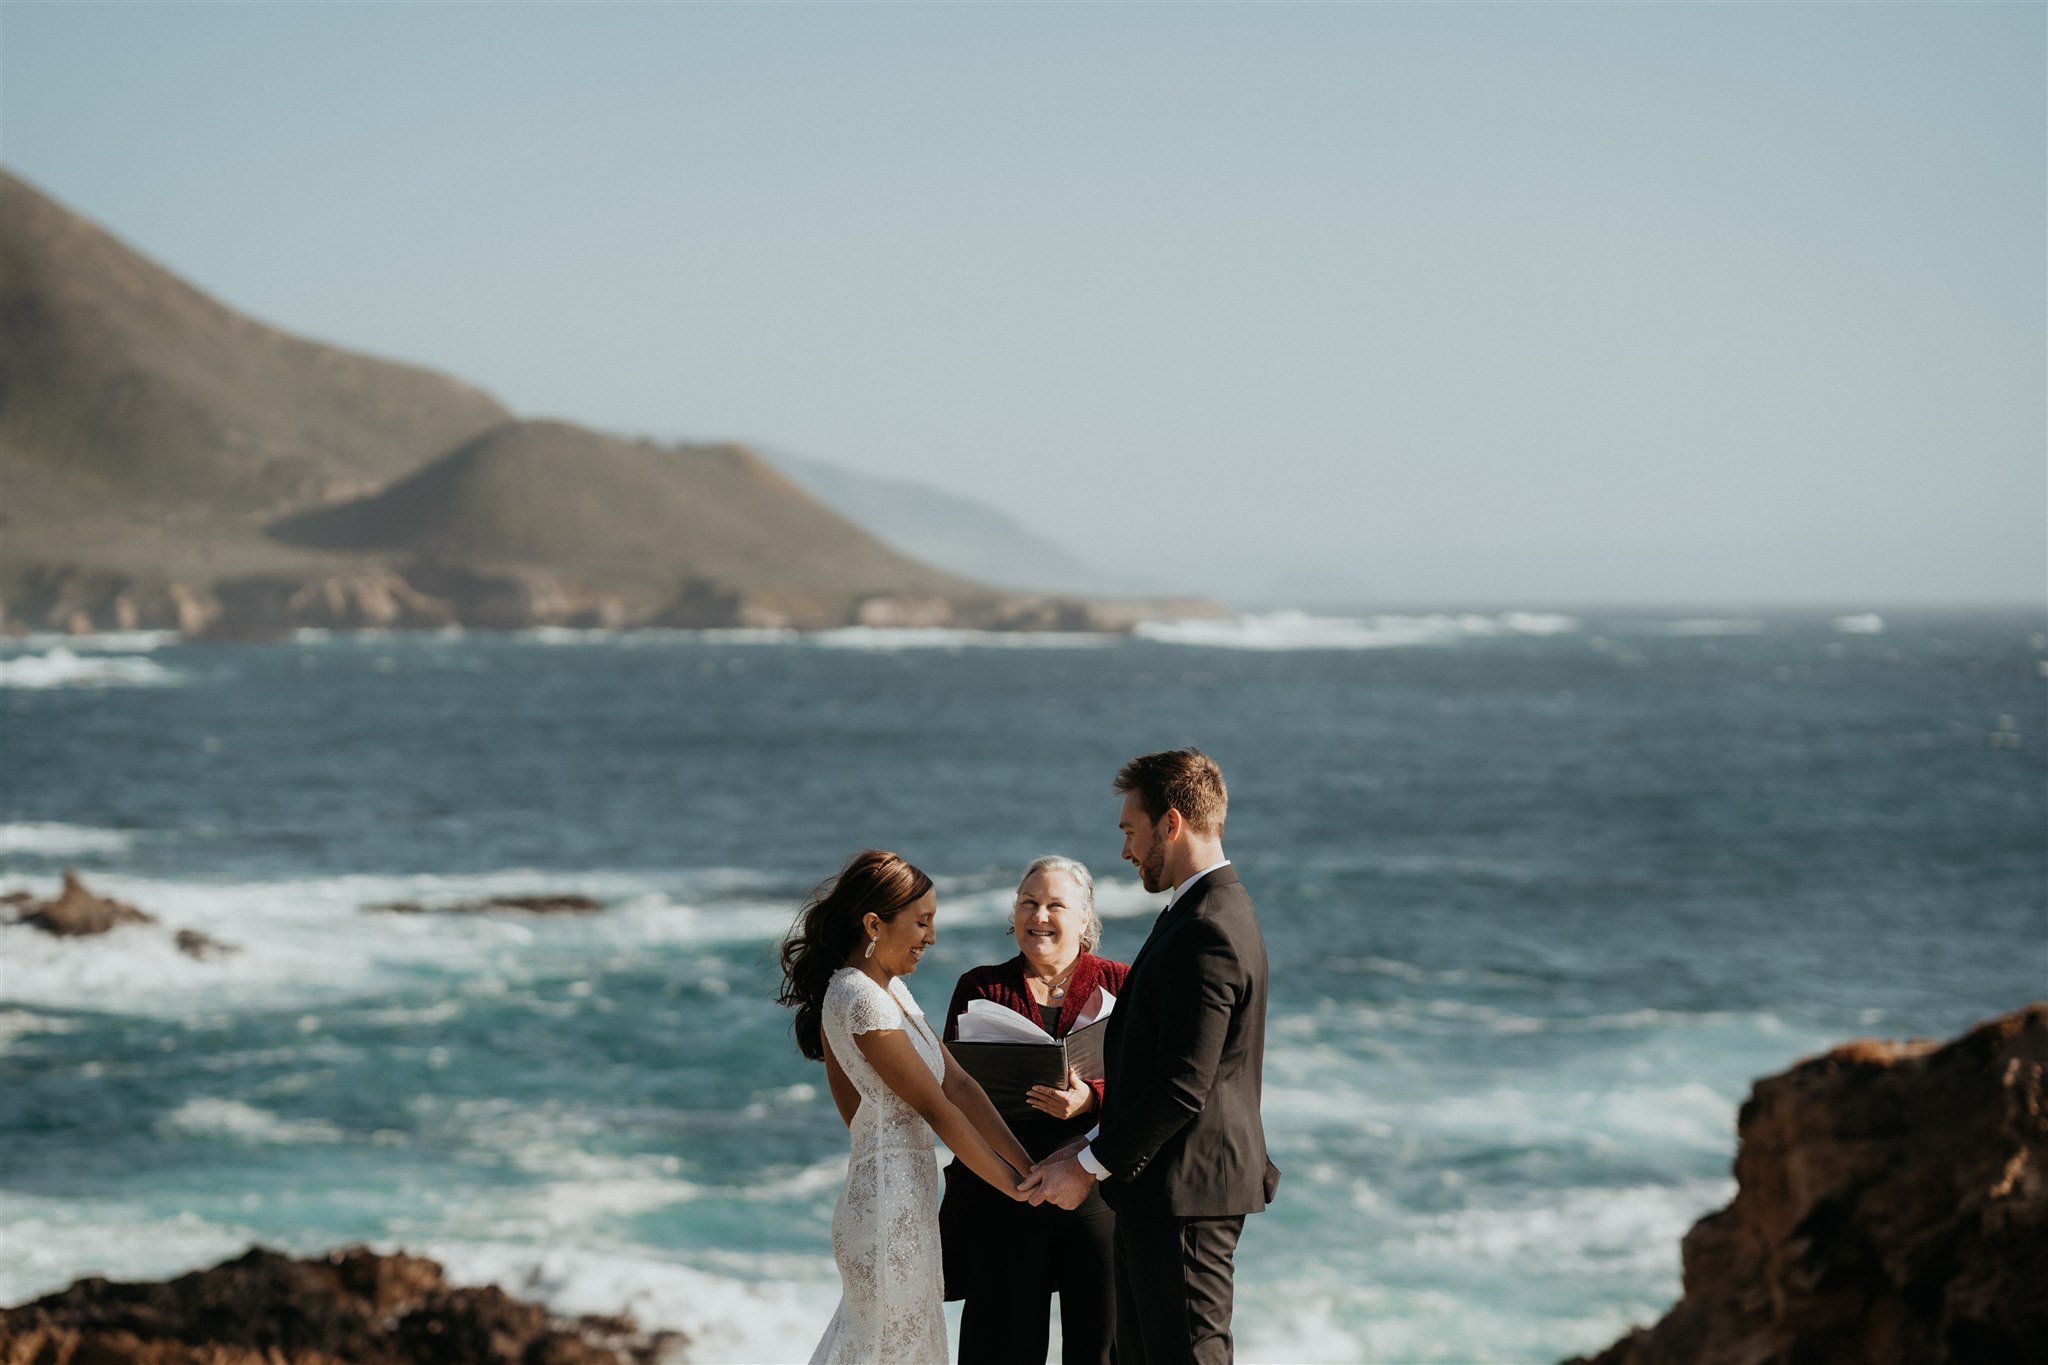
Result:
[[1060, 1180]]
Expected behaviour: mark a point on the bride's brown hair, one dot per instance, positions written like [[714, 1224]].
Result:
[[828, 929]]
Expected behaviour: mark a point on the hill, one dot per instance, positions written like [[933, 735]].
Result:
[[958, 534], [125, 384], [167, 461], [650, 523]]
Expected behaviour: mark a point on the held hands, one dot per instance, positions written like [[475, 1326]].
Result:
[[1075, 1098], [1059, 1179]]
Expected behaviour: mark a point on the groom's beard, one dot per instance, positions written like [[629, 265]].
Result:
[[1152, 867]]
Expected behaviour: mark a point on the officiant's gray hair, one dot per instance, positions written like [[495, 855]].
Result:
[[1091, 923]]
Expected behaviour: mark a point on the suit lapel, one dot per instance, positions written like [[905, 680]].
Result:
[[1179, 910]]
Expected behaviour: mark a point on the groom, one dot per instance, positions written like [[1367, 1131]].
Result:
[[1180, 1152]]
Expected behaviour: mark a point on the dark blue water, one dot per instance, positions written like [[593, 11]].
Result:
[[1539, 907]]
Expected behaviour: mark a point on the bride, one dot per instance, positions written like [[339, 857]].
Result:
[[895, 1085]]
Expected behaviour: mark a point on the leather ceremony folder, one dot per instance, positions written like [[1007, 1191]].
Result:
[[1007, 1070]]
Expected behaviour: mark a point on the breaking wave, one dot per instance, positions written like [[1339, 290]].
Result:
[[1282, 630], [64, 667], [54, 840]]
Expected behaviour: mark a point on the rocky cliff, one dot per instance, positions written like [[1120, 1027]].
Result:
[[1891, 1209], [354, 1307]]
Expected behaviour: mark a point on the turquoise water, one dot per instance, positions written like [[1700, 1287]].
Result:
[[1542, 897]]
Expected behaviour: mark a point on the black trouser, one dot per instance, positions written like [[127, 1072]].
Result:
[[1013, 1258], [1173, 1285]]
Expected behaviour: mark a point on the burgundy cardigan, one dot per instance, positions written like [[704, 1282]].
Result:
[[1003, 982]]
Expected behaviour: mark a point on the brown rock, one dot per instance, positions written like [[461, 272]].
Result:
[[514, 599], [1891, 1209], [77, 911], [706, 604], [379, 600], [269, 604], [192, 612], [203, 948], [80, 601], [922, 611], [354, 1307]]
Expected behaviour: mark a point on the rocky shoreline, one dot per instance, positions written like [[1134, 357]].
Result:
[[352, 1307], [77, 912], [79, 601], [1891, 1208]]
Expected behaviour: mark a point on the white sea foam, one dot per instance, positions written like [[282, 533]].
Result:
[[208, 1117], [1863, 623], [55, 840], [310, 941], [883, 639], [52, 1242], [1289, 630], [776, 1314], [104, 642], [1586, 1227], [27, 1024], [890, 639], [63, 667]]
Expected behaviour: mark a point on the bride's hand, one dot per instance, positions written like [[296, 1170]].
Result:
[[1065, 1103]]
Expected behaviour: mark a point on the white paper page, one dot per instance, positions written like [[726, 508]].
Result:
[[987, 1022], [1098, 1008]]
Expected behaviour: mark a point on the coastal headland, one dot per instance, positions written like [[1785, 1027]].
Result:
[[169, 463]]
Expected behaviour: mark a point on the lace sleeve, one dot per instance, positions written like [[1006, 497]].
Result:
[[865, 1006]]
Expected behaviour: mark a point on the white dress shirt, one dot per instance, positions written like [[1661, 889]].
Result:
[[1086, 1156]]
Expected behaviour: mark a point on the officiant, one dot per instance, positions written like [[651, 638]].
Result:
[[1008, 1259]]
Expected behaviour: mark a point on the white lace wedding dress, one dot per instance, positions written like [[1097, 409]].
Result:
[[885, 1229]]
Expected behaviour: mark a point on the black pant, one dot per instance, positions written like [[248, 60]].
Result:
[[1008, 1259], [1173, 1288]]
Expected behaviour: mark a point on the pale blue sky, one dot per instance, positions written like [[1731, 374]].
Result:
[[1521, 305]]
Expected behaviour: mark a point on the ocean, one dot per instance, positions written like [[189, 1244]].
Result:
[[1543, 894]]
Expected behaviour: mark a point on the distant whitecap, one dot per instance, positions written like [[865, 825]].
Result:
[[1291, 629], [56, 840], [208, 1117], [61, 667], [103, 642], [889, 639]]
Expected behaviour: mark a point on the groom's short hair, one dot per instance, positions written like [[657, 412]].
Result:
[[1186, 780]]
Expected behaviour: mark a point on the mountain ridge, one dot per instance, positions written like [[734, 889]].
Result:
[[958, 533], [166, 461]]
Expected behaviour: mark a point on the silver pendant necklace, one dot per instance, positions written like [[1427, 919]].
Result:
[[1057, 991]]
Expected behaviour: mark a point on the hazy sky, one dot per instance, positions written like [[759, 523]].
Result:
[[1521, 305]]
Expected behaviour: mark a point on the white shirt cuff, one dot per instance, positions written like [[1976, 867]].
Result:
[[1086, 1156]]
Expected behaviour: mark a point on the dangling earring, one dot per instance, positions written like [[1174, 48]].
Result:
[[871, 949]]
